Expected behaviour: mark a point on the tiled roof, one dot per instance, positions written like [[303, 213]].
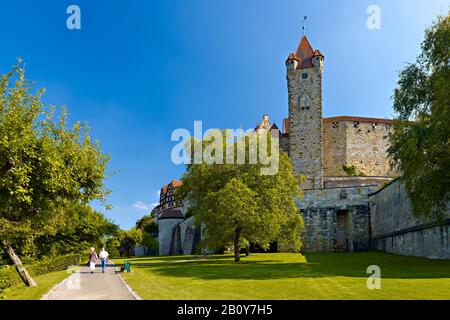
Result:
[[175, 183], [291, 57], [171, 214], [285, 125], [304, 54], [318, 53], [343, 118], [359, 119]]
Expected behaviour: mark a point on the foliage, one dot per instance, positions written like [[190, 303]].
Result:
[[49, 172], [148, 225], [352, 171], [45, 165], [421, 148], [128, 239], [151, 243], [9, 276], [112, 246], [150, 232], [83, 228], [236, 200]]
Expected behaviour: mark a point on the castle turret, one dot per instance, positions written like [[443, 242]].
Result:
[[304, 78], [317, 59], [291, 63]]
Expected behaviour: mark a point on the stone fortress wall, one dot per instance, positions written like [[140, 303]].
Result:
[[362, 142], [336, 219], [396, 230]]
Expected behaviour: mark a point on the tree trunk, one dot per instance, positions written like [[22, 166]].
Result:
[[247, 250], [237, 235], [23, 273]]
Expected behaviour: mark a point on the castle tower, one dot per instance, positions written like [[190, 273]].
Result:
[[304, 79]]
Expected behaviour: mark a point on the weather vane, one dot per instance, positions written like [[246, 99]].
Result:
[[304, 25]]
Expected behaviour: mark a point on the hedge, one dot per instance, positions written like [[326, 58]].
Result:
[[10, 277]]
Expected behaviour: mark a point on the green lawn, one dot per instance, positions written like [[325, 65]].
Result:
[[45, 283], [288, 276]]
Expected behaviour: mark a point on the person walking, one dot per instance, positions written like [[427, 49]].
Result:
[[104, 258], [92, 259]]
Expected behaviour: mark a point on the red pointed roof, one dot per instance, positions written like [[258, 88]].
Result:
[[291, 57], [304, 54], [318, 53], [304, 49], [175, 183]]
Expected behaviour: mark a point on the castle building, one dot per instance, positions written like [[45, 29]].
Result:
[[351, 199], [335, 205], [167, 198], [177, 233], [349, 183]]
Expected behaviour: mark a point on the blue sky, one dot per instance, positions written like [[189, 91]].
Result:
[[137, 70]]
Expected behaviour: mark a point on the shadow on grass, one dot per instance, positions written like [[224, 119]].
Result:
[[258, 267]]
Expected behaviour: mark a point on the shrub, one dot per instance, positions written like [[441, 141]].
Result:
[[10, 277]]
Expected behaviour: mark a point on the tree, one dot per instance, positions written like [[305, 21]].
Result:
[[82, 228], [235, 203], [420, 141], [235, 215], [148, 225], [150, 232], [128, 239], [45, 165]]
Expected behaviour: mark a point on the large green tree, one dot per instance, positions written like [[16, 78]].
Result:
[[45, 165], [82, 228], [235, 203], [128, 239], [420, 142]]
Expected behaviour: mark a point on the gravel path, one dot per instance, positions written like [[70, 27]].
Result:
[[83, 285]]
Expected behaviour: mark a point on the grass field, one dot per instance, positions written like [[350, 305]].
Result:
[[45, 283], [288, 276]]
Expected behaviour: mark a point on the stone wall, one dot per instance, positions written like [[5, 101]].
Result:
[[189, 235], [305, 124], [320, 210], [358, 143], [396, 230], [334, 149], [336, 182], [284, 143], [366, 147], [165, 235]]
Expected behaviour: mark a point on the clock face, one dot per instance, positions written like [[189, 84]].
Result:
[[304, 101]]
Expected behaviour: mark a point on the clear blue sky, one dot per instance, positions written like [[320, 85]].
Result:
[[137, 70]]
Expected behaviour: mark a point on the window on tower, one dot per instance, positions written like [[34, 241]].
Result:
[[304, 101]]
